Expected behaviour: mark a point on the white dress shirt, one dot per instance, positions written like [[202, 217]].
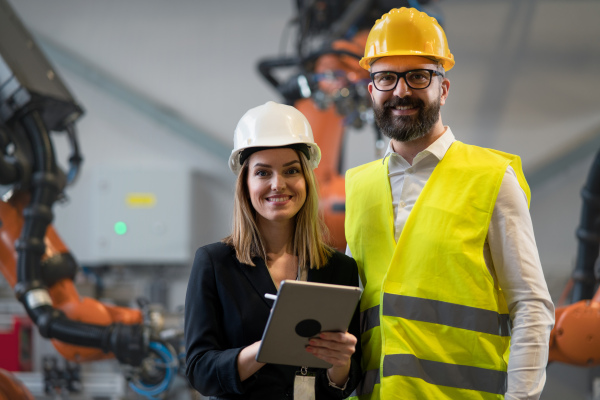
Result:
[[510, 254]]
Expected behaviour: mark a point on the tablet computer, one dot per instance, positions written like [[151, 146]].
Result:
[[302, 310]]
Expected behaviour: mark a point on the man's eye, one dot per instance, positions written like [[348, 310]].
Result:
[[418, 77]]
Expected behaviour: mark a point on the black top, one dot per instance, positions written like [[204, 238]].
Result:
[[225, 311]]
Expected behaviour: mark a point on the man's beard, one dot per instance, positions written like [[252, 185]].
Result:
[[405, 128]]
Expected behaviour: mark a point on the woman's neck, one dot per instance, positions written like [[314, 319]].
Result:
[[277, 236], [277, 239]]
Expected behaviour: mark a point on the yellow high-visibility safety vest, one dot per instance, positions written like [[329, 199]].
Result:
[[434, 323]]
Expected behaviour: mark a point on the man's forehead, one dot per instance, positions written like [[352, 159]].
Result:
[[402, 63]]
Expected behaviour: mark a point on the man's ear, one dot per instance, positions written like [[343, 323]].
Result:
[[445, 88]]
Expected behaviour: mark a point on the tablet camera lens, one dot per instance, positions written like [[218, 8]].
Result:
[[308, 328]]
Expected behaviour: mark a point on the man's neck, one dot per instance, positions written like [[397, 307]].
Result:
[[409, 150]]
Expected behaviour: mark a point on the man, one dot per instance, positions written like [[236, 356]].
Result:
[[455, 304]]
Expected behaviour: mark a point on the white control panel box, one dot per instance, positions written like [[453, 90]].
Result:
[[140, 215], [136, 215]]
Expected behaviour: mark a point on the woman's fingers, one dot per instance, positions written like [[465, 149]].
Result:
[[340, 337], [334, 347]]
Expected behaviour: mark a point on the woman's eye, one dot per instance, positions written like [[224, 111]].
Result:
[[293, 171], [260, 172]]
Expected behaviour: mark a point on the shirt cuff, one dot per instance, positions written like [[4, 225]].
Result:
[[333, 385]]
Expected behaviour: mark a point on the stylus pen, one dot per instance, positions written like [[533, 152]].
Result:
[[270, 296]]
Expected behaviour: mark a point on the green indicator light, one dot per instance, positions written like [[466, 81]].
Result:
[[120, 228]]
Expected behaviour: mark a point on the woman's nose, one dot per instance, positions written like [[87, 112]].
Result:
[[277, 183]]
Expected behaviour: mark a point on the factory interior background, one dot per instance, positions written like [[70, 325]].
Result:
[[163, 84]]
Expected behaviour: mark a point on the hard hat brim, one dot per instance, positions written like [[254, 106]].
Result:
[[447, 63], [313, 162]]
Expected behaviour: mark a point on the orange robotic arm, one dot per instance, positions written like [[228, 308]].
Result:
[[61, 288], [11, 388], [575, 338], [338, 72]]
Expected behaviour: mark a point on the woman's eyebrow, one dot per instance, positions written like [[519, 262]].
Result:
[[262, 165], [269, 166]]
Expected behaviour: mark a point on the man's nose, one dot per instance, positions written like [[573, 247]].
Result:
[[402, 89]]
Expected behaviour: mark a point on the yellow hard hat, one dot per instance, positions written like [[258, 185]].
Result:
[[407, 31]]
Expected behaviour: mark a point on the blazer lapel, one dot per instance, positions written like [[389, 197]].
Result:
[[260, 279]]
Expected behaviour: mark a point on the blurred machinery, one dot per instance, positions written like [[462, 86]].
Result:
[[34, 103]]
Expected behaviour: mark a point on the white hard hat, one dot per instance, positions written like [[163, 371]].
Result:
[[273, 125]]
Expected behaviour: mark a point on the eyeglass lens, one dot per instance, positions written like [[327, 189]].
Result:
[[416, 79]]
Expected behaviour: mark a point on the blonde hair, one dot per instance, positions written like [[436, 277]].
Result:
[[309, 234]]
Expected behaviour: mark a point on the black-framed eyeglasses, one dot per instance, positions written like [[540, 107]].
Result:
[[385, 81]]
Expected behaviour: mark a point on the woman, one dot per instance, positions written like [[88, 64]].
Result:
[[276, 235]]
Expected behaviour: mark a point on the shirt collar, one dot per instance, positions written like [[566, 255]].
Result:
[[437, 148]]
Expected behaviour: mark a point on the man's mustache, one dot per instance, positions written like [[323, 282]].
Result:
[[403, 102]]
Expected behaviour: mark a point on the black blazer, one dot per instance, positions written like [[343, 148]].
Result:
[[225, 311]]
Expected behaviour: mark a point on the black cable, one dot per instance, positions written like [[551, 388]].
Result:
[[588, 235], [356, 10], [129, 343], [75, 159]]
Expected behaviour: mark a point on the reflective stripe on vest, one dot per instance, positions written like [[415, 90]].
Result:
[[365, 386], [437, 312], [451, 375], [369, 319], [440, 312]]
